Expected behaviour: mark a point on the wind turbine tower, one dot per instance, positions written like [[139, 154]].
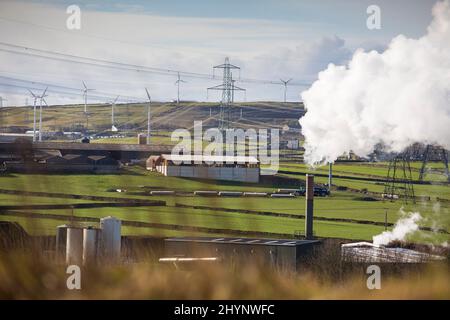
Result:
[[148, 115], [113, 104], [41, 99], [178, 86], [85, 95], [285, 83], [35, 97]]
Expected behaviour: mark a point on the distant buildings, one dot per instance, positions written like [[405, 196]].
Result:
[[234, 168], [69, 163]]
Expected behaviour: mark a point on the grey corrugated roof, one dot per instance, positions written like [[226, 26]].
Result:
[[216, 159], [102, 146], [244, 241]]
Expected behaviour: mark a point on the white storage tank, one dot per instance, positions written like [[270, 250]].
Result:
[[74, 246], [110, 238], [91, 239]]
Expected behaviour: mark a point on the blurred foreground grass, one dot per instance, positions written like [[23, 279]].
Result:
[[31, 276]]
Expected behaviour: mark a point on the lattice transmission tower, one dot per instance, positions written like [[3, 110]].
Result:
[[437, 154], [399, 182], [227, 87]]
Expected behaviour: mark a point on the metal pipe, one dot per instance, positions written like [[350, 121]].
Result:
[[330, 177]]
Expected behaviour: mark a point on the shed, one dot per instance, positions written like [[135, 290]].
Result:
[[234, 168], [282, 254]]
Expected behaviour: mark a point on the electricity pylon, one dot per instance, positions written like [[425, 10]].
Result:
[[227, 87]]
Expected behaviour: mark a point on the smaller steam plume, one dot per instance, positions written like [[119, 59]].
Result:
[[403, 227]]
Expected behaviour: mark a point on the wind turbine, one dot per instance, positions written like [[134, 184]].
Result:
[[35, 97], [148, 115], [285, 83], [113, 103], [178, 85], [41, 98], [85, 95]]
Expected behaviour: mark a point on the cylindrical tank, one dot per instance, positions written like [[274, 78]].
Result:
[[110, 238], [90, 245], [74, 246], [61, 241]]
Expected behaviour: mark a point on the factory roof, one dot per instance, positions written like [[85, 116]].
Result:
[[215, 159], [244, 241], [101, 146]]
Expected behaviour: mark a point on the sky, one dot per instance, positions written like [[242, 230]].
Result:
[[267, 39]]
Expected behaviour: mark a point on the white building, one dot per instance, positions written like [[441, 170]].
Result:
[[234, 168]]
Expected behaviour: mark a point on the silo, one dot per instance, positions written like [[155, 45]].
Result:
[[74, 248], [110, 238], [90, 245], [61, 241]]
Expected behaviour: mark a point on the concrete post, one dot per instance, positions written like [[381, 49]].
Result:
[[309, 207]]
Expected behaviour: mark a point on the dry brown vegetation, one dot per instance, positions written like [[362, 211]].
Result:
[[33, 274]]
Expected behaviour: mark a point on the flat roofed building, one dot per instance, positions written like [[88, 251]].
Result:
[[282, 254], [234, 168]]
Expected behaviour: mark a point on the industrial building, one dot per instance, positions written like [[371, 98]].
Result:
[[66, 163], [281, 254], [366, 252], [234, 168]]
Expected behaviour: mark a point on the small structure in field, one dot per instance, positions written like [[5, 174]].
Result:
[[282, 254], [366, 252], [234, 168]]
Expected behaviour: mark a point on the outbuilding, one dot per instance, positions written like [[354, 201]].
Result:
[[234, 168], [282, 254]]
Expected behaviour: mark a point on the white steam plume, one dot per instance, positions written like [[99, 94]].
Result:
[[396, 97], [403, 227]]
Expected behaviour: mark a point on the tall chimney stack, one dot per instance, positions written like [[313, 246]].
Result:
[[309, 207]]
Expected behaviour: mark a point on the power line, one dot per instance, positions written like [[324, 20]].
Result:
[[102, 96], [122, 66]]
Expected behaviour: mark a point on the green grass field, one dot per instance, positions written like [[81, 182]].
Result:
[[341, 205]]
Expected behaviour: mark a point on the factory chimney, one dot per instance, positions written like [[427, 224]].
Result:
[[309, 207]]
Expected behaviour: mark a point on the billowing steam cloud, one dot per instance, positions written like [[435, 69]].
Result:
[[403, 227], [396, 97]]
